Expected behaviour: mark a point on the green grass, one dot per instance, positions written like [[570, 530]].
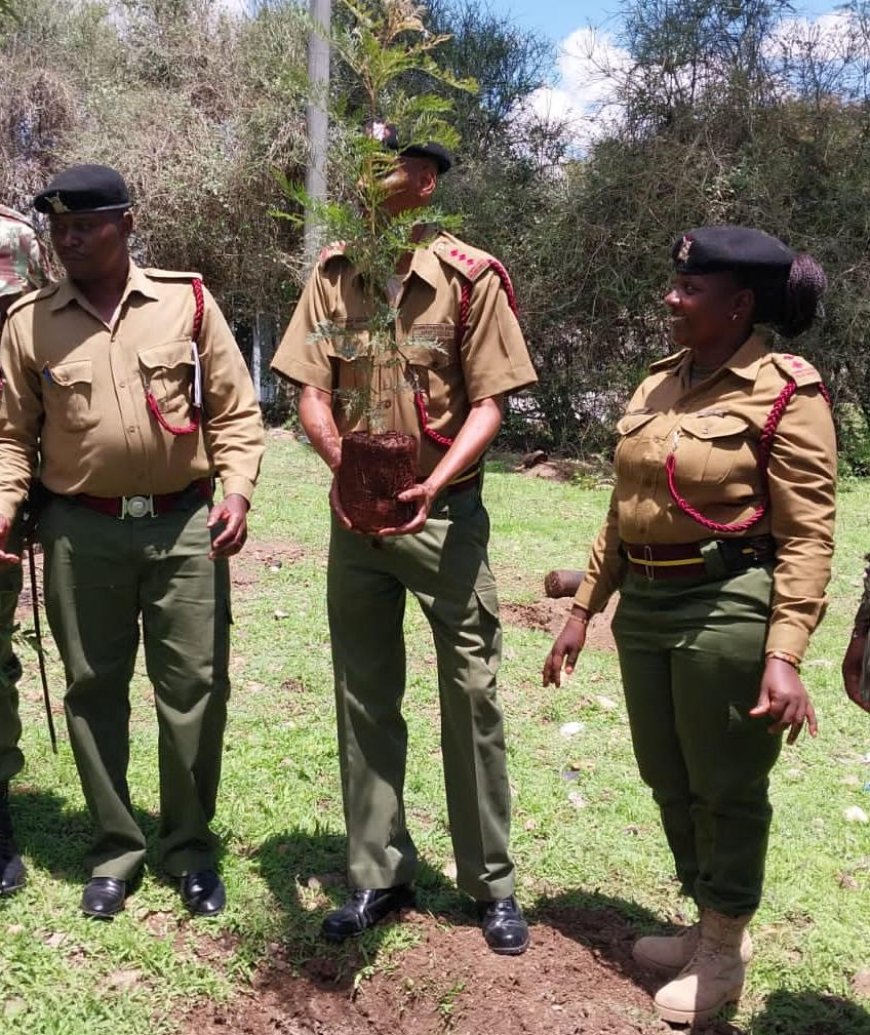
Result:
[[280, 811]]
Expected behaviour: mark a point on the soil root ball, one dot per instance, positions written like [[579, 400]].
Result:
[[374, 470]]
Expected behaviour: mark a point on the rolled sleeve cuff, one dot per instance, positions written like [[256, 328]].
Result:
[[301, 373], [507, 384], [789, 639], [237, 485], [590, 596]]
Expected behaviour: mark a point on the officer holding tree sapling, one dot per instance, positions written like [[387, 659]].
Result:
[[455, 351]]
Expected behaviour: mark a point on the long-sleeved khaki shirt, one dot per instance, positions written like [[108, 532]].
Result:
[[714, 429], [75, 387], [491, 358]]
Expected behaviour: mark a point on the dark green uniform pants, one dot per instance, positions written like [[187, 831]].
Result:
[[11, 758], [101, 576], [692, 656], [446, 568]]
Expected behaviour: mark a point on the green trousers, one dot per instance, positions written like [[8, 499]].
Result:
[[446, 568], [11, 758], [102, 577], [692, 656]]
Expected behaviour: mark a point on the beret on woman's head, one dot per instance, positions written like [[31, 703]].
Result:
[[788, 286], [714, 249]]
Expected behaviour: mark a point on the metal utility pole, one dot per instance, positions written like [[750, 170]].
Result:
[[317, 118]]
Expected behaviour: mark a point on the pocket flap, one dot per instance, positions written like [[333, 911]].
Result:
[[167, 356], [713, 425], [630, 422], [76, 372]]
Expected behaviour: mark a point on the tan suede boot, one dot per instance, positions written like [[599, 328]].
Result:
[[714, 975], [669, 953]]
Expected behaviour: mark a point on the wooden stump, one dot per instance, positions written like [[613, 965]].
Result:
[[374, 470]]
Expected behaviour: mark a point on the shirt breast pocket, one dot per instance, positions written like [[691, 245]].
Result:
[[168, 373], [68, 397], [715, 447], [432, 357], [635, 446]]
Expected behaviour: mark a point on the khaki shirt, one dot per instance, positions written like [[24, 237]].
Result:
[[75, 390], [716, 426], [491, 359]]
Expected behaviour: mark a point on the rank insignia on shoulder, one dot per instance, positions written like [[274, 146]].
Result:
[[797, 368]]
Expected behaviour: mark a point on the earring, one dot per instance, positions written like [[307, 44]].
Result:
[[733, 317]]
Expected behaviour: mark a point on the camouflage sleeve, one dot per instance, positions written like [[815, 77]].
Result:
[[37, 264]]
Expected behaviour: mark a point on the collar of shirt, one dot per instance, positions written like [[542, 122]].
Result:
[[137, 283], [745, 363]]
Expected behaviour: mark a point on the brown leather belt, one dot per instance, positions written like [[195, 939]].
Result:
[[710, 557], [143, 506]]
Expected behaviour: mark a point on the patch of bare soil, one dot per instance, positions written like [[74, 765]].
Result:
[[262, 556], [549, 616], [577, 978]]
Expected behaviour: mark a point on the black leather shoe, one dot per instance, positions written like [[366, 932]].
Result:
[[364, 909], [203, 893], [103, 897], [12, 873], [505, 930]]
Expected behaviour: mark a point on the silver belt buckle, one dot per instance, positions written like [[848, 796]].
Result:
[[137, 506]]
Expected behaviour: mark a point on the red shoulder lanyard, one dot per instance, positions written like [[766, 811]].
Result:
[[154, 406], [461, 327], [765, 443]]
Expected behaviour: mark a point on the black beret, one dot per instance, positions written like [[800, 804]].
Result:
[[713, 249], [84, 188], [388, 135]]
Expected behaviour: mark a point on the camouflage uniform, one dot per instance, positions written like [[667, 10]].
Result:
[[22, 268]]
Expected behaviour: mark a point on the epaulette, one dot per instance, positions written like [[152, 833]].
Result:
[[470, 262], [668, 362], [796, 369], [32, 297], [331, 251], [172, 274]]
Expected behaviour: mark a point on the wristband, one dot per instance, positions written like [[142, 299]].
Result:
[[582, 619], [789, 659]]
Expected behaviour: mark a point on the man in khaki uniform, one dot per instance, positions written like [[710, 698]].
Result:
[[22, 269], [462, 352], [131, 386]]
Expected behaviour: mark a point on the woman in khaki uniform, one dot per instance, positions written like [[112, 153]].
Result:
[[719, 538]]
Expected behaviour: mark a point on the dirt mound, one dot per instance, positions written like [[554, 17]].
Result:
[[549, 616], [576, 979]]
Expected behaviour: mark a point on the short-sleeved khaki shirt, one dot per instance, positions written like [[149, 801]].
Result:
[[714, 428], [490, 359], [75, 390]]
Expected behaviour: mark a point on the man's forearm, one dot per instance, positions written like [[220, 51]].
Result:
[[475, 435], [318, 423]]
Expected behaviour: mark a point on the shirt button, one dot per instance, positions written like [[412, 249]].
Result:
[[122, 384], [387, 404], [132, 430]]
